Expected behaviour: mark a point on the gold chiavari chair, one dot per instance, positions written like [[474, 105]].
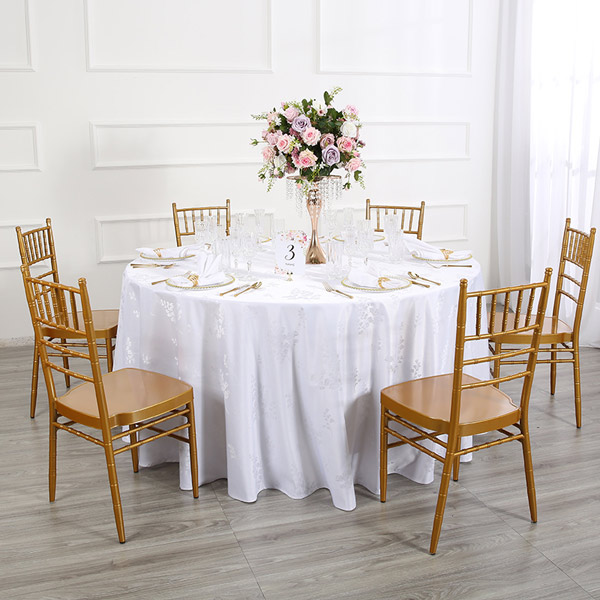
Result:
[[458, 404], [184, 219], [410, 217], [119, 405], [36, 246], [558, 338]]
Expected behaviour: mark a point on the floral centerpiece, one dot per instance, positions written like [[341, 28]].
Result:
[[311, 139], [307, 140]]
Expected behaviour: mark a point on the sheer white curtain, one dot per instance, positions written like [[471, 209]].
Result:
[[565, 131], [511, 244], [547, 140]]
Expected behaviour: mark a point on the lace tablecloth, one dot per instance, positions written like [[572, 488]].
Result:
[[287, 377]]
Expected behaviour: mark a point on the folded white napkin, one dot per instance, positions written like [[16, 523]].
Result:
[[362, 277], [208, 268], [178, 252], [428, 252]]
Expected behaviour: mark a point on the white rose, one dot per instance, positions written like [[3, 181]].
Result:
[[348, 129], [279, 161]]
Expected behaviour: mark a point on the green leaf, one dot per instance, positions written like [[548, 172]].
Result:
[[327, 97], [305, 105]]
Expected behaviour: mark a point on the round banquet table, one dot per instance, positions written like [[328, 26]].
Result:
[[287, 378]]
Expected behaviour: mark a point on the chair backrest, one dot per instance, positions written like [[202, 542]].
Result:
[[410, 217], [184, 219], [479, 310], [36, 246], [67, 310], [577, 248]]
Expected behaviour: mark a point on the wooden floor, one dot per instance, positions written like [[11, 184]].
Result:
[[279, 548]]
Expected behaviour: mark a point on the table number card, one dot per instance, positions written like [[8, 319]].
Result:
[[289, 252]]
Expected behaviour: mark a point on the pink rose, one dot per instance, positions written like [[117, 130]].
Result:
[[345, 144], [264, 134], [272, 138], [291, 113], [306, 159], [327, 140], [311, 136], [290, 169], [268, 154], [350, 110], [283, 143], [353, 165]]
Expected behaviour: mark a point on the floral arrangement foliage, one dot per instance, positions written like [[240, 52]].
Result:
[[311, 139]]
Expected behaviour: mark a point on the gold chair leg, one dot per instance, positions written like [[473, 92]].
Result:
[[529, 472], [52, 457], [553, 356], [66, 365], [193, 449], [577, 384], [34, 381], [441, 503], [455, 468], [383, 457], [114, 488], [496, 371], [134, 451], [109, 354]]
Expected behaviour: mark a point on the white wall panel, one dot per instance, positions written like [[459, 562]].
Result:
[[446, 223], [9, 250], [396, 141], [19, 147], [122, 145], [135, 104], [178, 35], [118, 236], [15, 36], [395, 37]]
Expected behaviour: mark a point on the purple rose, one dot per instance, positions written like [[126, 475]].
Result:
[[300, 123], [331, 155]]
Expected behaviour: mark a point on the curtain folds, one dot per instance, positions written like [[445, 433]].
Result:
[[511, 245]]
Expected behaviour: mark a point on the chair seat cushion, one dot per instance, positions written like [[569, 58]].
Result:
[[132, 395], [554, 331], [105, 325], [427, 402]]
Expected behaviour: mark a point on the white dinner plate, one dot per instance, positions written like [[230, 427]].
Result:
[[388, 286], [442, 260], [188, 285], [165, 258]]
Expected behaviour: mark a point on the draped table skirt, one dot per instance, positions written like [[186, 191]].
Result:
[[287, 378]]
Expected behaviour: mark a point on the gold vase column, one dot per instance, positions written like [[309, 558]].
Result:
[[314, 204]]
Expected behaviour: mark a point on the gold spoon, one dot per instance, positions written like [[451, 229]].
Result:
[[417, 276]]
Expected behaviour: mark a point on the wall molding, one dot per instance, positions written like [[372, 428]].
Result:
[[416, 158], [99, 163], [467, 72], [28, 66], [101, 256], [92, 66], [24, 223], [35, 165], [462, 236]]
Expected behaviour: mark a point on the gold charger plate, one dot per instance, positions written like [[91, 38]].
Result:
[[352, 286], [443, 260], [142, 255], [228, 279], [376, 238]]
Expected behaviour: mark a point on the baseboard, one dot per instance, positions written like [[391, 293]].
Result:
[[18, 341]]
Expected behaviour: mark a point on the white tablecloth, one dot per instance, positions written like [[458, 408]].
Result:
[[287, 378]]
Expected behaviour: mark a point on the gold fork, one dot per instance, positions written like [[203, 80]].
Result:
[[254, 286]]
